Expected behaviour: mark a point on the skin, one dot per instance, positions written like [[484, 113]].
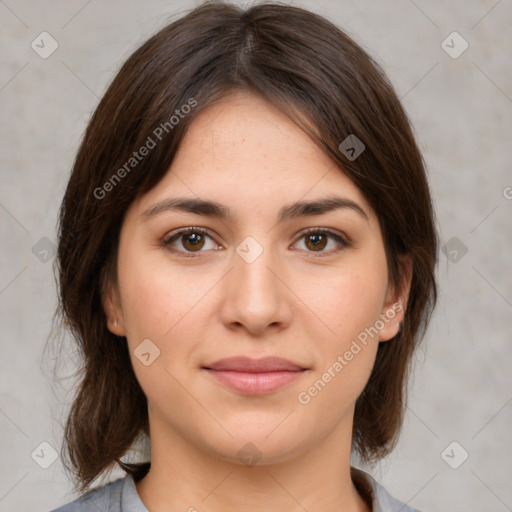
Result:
[[290, 302]]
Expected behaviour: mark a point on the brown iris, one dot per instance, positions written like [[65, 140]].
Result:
[[319, 241], [193, 241]]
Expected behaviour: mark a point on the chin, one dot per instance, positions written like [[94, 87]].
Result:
[[257, 452], [261, 442]]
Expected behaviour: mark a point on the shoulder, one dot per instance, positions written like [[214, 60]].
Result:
[[381, 499], [107, 498]]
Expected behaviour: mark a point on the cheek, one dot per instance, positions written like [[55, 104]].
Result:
[[349, 304], [156, 298], [345, 359], [162, 306], [345, 303], [170, 306]]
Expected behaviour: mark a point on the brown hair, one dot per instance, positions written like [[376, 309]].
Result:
[[324, 82]]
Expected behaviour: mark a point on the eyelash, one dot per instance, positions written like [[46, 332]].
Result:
[[310, 231]]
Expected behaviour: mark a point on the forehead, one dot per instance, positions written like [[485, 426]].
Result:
[[243, 122], [245, 152]]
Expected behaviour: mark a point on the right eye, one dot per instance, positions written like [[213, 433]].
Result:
[[191, 239]]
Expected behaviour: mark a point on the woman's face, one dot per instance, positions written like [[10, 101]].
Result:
[[252, 283]]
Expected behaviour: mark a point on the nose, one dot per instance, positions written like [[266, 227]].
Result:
[[255, 297]]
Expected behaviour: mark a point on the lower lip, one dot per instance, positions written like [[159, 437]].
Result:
[[255, 383]]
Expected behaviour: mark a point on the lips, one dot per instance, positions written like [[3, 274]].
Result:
[[254, 376], [246, 364]]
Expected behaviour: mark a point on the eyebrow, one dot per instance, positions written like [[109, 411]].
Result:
[[219, 211]]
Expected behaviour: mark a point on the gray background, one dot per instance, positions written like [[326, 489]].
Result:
[[461, 109]]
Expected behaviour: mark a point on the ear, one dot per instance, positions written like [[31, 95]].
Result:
[[393, 312], [113, 311]]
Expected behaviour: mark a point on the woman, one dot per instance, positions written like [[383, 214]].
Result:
[[247, 262]]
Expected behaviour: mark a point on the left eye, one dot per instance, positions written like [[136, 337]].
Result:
[[317, 239], [193, 240]]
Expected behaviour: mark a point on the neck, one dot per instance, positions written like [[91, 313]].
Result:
[[184, 477]]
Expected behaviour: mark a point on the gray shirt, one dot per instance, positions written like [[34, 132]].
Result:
[[121, 496]]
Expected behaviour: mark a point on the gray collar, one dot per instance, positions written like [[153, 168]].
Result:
[[381, 500]]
